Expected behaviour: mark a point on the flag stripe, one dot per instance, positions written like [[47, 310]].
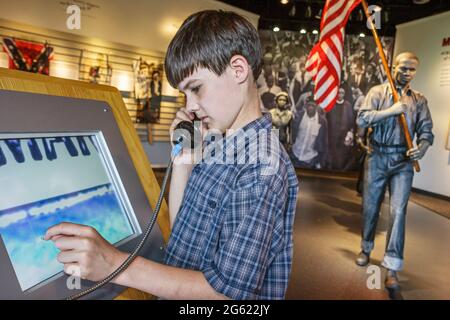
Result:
[[331, 100], [323, 71], [333, 18], [338, 45], [332, 56], [325, 95], [328, 8], [337, 21], [325, 60], [324, 87], [343, 21], [335, 6]]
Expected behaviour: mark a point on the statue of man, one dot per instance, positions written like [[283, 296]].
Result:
[[390, 162]]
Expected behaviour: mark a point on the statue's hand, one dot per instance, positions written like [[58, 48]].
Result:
[[398, 108], [418, 152]]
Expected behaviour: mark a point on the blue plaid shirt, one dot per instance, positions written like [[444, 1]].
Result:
[[235, 222]]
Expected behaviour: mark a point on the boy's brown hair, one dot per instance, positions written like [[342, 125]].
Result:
[[208, 39]]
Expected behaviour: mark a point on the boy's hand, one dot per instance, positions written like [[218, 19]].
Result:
[[186, 155], [181, 115], [84, 248]]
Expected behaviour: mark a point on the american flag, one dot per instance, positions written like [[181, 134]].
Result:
[[325, 60]]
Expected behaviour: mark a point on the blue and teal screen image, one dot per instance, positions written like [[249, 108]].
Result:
[[48, 180]]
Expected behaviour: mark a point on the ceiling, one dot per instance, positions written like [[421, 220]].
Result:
[[146, 24], [274, 13]]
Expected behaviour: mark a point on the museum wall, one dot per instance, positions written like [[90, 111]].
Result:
[[428, 38], [114, 35]]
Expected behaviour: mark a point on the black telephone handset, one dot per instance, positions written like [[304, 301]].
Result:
[[188, 134]]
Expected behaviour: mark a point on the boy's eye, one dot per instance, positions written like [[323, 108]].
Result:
[[195, 89]]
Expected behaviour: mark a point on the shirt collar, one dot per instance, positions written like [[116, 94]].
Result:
[[407, 90], [228, 144]]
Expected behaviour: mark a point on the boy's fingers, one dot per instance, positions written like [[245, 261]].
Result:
[[186, 112], [72, 269], [67, 229], [54, 237], [181, 115], [70, 243], [68, 256]]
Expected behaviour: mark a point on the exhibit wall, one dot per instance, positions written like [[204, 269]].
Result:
[[429, 38], [105, 52], [91, 60]]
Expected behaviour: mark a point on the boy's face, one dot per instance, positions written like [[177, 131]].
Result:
[[216, 100]]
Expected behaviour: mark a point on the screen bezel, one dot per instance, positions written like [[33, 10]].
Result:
[[110, 170], [31, 113]]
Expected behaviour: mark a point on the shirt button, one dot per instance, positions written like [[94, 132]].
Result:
[[212, 204]]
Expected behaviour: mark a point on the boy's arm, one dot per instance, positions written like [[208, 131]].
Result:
[[166, 281], [178, 182], [182, 167], [83, 249]]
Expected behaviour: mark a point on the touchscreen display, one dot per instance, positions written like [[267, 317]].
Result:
[[46, 179]]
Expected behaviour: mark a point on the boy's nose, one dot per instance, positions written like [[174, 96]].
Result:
[[192, 105]]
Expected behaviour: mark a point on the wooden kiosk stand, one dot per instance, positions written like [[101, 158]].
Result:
[[54, 136]]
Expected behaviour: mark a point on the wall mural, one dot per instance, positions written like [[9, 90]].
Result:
[[313, 138]]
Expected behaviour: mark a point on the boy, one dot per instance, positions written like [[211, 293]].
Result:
[[232, 223]]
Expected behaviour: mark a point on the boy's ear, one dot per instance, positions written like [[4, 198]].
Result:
[[240, 68]]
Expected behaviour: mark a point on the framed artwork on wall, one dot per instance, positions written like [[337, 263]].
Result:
[[148, 91]]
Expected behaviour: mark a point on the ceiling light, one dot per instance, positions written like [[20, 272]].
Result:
[[315, 31], [276, 29], [362, 35], [302, 31], [284, 1]]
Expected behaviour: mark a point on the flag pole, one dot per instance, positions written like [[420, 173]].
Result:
[[401, 118]]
